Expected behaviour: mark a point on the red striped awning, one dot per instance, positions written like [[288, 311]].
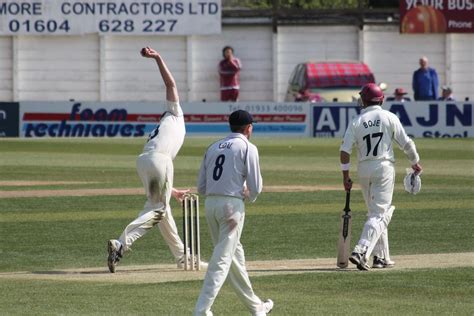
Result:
[[333, 74]]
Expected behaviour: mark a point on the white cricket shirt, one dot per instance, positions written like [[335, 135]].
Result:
[[227, 165], [168, 137], [372, 132]]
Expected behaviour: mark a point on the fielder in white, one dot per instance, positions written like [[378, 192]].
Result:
[[155, 168], [372, 132], [230, 173]]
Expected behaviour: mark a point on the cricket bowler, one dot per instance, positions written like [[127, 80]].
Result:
[[155, 168]]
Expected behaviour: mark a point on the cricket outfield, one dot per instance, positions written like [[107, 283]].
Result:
[[61, 200]]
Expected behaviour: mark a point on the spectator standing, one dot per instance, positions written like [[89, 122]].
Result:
[[425, 82], [399, 96], [447, 94], [229, 72]]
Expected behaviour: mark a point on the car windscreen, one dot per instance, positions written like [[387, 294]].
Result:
[[338, 75]]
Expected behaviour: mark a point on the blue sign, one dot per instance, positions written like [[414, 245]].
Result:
[[9, 119], [420, 119]]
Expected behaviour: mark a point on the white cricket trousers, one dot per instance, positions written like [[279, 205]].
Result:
[[225, 217], [377, 179], [156, 172]]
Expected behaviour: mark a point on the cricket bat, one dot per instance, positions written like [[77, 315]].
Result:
[[344, 244]]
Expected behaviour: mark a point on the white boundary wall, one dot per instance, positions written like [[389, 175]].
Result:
[[56, 68], [393, 57], [252, 45], [126, 76], [6, 68], [109, 68]]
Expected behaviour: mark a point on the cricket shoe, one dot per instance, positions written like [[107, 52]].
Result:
[[180, 263], [115, 250], [267, 306], [380, 263], [359, 260]]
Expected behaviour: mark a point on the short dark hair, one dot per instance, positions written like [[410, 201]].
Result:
[[237, 128], [226, 48]]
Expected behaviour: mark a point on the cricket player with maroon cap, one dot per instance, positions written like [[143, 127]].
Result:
[[372, 133]]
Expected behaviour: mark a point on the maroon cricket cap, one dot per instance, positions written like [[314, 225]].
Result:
[[371, 93], [240, 118]]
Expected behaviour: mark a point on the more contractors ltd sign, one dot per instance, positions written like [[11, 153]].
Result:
[[437, 16], [117, 17]]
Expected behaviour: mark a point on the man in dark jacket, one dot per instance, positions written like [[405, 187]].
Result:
[[425, 82]]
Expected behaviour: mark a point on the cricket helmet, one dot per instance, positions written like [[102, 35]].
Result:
[[371, 94]]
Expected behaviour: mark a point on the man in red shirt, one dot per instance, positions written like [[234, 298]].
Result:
[[229, 70]]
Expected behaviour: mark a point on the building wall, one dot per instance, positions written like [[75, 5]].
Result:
[[6, 68], [393, 57], [252, 45], [57, 67], [461, 71], [126, 76], [109, 68]]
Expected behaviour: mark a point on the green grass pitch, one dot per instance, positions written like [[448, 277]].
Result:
[[58, 232]]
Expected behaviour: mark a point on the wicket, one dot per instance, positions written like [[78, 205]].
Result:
[[191, 240]]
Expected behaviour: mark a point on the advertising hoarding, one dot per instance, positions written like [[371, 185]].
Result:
[[137, 119], [9, 119], [432, 119], [437, 16], [117, 17]]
